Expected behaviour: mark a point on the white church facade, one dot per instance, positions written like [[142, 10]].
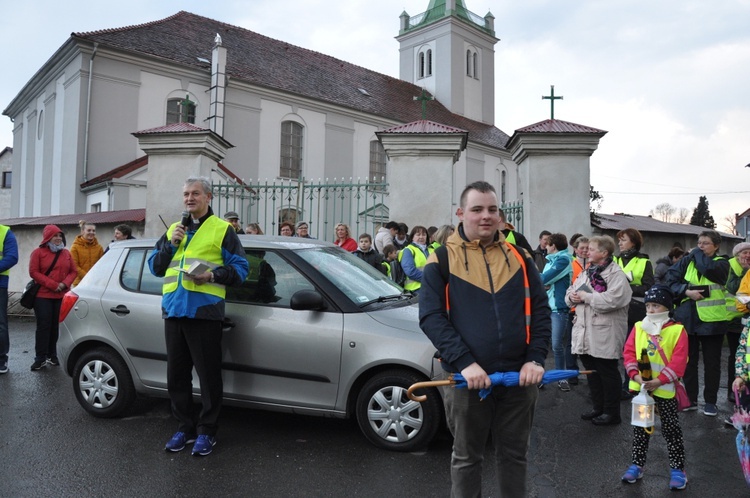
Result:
[[289, 113]]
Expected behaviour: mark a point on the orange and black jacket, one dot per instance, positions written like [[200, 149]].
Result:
[[482, 316]]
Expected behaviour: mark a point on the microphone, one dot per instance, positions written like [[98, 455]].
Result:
[[185, 219]]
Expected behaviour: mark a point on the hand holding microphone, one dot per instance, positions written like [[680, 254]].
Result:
[[179, 231]]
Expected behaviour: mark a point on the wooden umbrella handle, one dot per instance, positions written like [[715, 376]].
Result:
[[430, 383]]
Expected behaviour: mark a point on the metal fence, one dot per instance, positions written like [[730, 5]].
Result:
[[362, 205]]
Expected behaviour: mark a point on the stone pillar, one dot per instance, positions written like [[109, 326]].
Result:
[[173, 156], [420, 177], [554, 174]]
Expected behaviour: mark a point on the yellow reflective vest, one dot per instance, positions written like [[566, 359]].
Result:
[[669, 337], [3, 232], [205, 247], [731, 299], [713, 308], [635, 266], [419, 261]]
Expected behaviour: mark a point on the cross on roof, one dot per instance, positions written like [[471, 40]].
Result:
[[424, 98], [551, 97]]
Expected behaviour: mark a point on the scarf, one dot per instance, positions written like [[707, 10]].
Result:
[[594, 273], [55, 248], [629, 254], [653, 323]]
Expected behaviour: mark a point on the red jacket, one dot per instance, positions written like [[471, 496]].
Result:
[[40, 261]]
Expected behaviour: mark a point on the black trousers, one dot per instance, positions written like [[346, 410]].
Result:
[[711, 346], [605, 384], [47, 312], [194, 343]]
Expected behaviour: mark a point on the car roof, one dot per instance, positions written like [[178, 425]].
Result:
[[248, 241]]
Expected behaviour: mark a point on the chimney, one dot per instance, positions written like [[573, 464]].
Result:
[[218, 87]]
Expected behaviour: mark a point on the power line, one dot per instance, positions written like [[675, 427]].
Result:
[[675, 193]]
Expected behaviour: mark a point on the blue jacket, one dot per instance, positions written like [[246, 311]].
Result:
[[557, 273], [486, 322], [10, 257], [185, 304]]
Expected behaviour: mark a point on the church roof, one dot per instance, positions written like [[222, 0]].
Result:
[[124, 216], [256, 59], [173, 128], [621, 221], [558, 126]]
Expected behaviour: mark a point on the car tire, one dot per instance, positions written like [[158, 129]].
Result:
[[389, 419], [102, 383]]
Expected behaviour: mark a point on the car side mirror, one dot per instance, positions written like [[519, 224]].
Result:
[[307, 300]]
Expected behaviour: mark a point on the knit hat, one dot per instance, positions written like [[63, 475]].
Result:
[[740, 247], [231, 215], [660, 294]]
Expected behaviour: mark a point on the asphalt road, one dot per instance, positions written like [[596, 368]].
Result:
[[50, 447]]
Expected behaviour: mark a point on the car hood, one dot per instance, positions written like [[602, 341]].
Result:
[[399, 317]]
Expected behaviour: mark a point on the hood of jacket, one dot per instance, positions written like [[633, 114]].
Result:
[[49, 232]]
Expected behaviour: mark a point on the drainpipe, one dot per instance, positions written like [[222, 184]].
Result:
[[88, 117]]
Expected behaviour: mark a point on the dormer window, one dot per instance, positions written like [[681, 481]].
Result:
[[181, 111]]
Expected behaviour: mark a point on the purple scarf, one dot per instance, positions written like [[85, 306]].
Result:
[[594, 273]]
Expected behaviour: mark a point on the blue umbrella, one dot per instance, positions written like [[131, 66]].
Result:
[[497, 379]]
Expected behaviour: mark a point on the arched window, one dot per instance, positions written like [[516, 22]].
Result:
[[474, 65], [291, 150], [181, 110], [468, 63], [428, 72], [377, 163], [421, 64]]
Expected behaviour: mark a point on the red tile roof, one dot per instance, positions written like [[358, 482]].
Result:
[[118, 172], [128, 215], [265, 62], [558, 126], [423, 126], [173, 128]]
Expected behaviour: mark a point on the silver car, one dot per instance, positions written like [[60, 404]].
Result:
[[313, 330]]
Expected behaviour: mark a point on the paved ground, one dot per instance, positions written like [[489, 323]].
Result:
[[50, 446]]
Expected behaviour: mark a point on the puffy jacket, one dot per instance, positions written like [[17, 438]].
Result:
[[486, 323], [556, 276], [41, 259], [85, 253], [601, 322]]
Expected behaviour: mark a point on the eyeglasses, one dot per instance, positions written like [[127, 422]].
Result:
[[302, 227]]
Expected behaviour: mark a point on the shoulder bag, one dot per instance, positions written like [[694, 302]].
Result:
[[32, 288]]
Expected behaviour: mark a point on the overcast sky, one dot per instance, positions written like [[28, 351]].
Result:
[[667, 79]]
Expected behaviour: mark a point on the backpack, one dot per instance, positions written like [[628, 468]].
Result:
[[397, 273]]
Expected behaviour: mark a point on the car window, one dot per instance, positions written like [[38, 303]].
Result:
[[136, 276], [358, 280], [271, 280]]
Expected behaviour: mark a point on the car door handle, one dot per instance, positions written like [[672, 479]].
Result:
[[227, 325], [120, 309]]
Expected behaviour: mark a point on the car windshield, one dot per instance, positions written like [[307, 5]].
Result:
[[358, 280]]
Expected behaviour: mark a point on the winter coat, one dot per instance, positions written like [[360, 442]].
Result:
[[556, 276], [487, 320], [383, 238], [348, 244], [41, 259], [601, 322], [85, 253], [662, 266], [371, 257]]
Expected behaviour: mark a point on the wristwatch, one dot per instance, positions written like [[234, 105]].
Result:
[[537, 364], [213, 278]]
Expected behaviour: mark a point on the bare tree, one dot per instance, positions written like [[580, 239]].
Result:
[[729, 224], [682, 215], [665, 211]]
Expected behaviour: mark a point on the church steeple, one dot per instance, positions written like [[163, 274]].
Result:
[[449, 51]]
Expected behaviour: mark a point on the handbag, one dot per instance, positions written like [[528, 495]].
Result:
[[680, 393], [32, 288]]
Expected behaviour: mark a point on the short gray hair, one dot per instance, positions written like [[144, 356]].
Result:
[[204, 181]]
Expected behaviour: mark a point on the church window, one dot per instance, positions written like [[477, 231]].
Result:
[[377, 162], [291, 150], [421, 65], [468, 63], [180, 111], [429, 63], [474, 65], [502, 187]]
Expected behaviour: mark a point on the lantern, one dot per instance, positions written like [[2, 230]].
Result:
[[643, 410]]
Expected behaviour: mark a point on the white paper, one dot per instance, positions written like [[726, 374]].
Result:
[[197, 268]]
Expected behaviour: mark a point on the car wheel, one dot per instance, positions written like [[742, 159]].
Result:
[[389, 419], [102, 383]]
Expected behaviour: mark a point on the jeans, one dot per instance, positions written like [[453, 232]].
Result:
[[506, 414], [194, 343], [561, 330], [47, 312], [4, 336]]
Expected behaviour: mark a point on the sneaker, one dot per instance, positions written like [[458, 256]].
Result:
[[677, 479], [203, 445], [178, 441], [38, 364], [692, 408], [633, 473], [4, 369], [563, 385], [710, 410], [53, 361]]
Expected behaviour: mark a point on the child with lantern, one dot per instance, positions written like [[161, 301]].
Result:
[[666, 344]]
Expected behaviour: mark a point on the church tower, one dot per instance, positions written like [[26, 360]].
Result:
[[449, 51]]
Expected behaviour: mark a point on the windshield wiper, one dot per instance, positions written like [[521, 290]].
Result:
[[383, 299]]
